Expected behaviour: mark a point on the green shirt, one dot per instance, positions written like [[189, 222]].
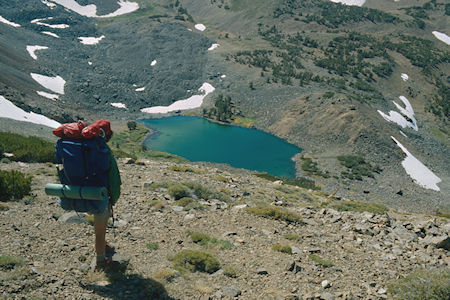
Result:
[[114, 180]]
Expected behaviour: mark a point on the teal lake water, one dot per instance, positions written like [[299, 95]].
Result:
[[200, 140]]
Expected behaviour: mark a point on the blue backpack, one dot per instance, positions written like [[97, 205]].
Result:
[[86, 162]]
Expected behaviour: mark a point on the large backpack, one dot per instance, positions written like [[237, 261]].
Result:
[[86, 162]]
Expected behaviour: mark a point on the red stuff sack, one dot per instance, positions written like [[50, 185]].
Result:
[[70, 130], [98, 128]]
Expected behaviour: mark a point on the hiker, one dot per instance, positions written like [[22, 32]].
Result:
[[88, 161], [101, 220]]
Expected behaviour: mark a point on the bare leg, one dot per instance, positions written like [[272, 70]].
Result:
[[100, 234]]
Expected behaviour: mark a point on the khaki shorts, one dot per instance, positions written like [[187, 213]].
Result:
[[103, 217]]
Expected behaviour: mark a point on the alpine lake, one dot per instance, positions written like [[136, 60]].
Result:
[[198, 139]]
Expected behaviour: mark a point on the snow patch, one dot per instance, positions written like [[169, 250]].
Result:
[[51, 34], [140, 89], [153, 63], [10, 111], [49, 4], [91, 40], [418, 171], [90, 10], [223, 76], [55, 84], [400, 118], [405, 76], [38, 22], [442, 37], [402, 133], [213, 46], [192, 102], [3, 20], [32, 49], [118, 105], [350, 2], [200, 27], [48, 95]]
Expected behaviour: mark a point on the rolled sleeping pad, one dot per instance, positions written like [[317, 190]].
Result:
[[76, 192]]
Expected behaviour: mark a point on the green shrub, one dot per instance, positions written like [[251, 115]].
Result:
[[318, 260], [196, 260], [422, 284], [152, 246], [14, 185], [9, 262], [328, 94], [185, 201], [359, 206], [27, 149], [221, 244], [199, 238], [230, 272], [185, 168], [178, 191], [282, 248], [292, 237], [357, 167], [276, 213], [298, 181]]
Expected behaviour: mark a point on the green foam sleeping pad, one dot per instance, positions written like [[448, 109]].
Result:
[[76, 192]]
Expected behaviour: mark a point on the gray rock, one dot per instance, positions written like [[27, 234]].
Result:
[[73, 218], [327, 296], [177, 208], [189, 217], [262, 271], [326, 284], [403, 234], [296, 250], [444, 243], [232, 291], [293, 266]]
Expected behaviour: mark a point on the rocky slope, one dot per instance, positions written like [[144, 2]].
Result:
[[335, 254], [347, 122]]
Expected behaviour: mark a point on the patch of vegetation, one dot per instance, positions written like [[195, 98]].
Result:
[[199, 238], [331, 15], [203, 192], [230, 272], [156, 204], [420, 52], [208, 241], [27, 149], [328, 95], [220, 178], [282, 248], [359, 206], [129, 143], [357, 167], [422, 284], [224, 110], [310, 168], [185, 201], [196, 260], [10, 262], [276, 213], [292, 237], [152, 246], [244, 121], [320, 261], [178, 191], [298, 181], [14, 185], [186, 168], [165, 275]]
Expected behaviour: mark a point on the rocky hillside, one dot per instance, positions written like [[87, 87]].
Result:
[[264, 240], [325, 76]]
